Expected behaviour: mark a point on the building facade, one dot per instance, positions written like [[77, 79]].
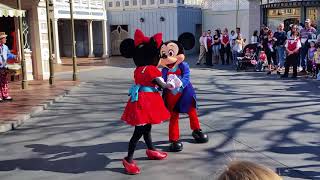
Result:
[[289, 12], [90, 25], [91, 29], [171, 17], [35, 37], [231, 14]]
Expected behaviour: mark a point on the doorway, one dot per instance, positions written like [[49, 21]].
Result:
[[197, 36], [288, 22], [118, 34]]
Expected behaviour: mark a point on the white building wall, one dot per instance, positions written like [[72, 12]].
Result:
[[187, 19], [44, 43], [226, 19], [254, 16], [151, 24], [223, 13]]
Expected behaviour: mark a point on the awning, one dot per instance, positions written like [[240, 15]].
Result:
[[7, 11]]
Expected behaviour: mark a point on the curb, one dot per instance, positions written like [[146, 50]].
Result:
[[17, 121]]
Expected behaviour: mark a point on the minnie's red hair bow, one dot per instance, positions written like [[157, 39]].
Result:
[[140, 38]]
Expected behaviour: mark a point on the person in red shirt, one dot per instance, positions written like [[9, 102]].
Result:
[[293, 46], [225, 47], [209, 46]]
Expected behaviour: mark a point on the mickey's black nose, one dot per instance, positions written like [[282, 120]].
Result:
[[164, 56]]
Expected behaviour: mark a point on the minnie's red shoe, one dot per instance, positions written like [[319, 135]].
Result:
[[131, 168], [156, 155]]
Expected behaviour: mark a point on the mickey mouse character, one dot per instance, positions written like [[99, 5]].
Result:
[[182, 99], [145, 106]]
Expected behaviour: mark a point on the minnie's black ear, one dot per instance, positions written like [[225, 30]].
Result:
[[187, 40], [154, 43], [127, 48]]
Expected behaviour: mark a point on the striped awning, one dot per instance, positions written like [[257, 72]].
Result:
[[7, 11]]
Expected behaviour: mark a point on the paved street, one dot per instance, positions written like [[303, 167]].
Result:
[[249, 116]]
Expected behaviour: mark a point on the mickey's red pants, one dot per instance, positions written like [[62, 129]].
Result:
[[174, 132]]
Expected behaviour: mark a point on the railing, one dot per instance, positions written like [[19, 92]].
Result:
[[129, 4], [285, 1], [80, 4]]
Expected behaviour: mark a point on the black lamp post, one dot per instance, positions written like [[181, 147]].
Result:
[[24, 83], [51, 65], [74, 57]]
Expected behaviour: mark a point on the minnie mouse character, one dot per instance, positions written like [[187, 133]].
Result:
[[182, 99], [145, 106]]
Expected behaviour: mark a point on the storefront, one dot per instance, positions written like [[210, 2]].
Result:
[[289, 12]]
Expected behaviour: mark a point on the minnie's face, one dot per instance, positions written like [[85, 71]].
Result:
[[171, 54]]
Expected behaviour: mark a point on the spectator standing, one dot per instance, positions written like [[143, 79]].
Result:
[[216, 46], [316, 59], [238, 31], [233, 38], [5, 54], [225, 47], [281, 37], [310, 55], [237, 48], [209, 42], [269, 47], [306, 33], [233, 35], [255, 37], [293, 46], [203, 47]]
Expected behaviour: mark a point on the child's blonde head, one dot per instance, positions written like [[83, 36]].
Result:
[[243, 170]]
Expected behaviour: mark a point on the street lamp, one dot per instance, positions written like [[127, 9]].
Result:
[[74, 58], [24, 83], [51, 66], [237, 10]]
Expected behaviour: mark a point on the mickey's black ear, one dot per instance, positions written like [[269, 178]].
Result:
[[187, 40], [127, 48]]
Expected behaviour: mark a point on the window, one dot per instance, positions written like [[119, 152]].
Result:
[[161, 1], [126, 3], [151, 1], [170, 1], [144, 2], [118, 4], [134, 2], [312, 14], [110, 4]]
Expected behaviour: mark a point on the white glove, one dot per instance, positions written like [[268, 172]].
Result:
[[172, 85], [171, 77], [175, 79]]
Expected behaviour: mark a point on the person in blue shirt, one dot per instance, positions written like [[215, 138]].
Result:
[[281, 37], [5, 54]]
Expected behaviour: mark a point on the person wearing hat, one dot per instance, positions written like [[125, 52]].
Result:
[[5, 54], [305, 34]]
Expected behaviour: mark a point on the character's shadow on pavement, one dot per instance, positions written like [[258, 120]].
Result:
[[67, 159], [74, 159]]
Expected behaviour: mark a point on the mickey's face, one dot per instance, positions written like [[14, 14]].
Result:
[[172, 54]]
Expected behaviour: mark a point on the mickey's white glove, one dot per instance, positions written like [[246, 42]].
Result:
[[171, 84], [174, 78]]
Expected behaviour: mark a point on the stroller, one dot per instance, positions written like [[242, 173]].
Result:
[[249, 59]]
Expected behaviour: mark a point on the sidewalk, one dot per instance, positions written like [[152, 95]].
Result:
[[40, 94], [82, 63], [30, 101]]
